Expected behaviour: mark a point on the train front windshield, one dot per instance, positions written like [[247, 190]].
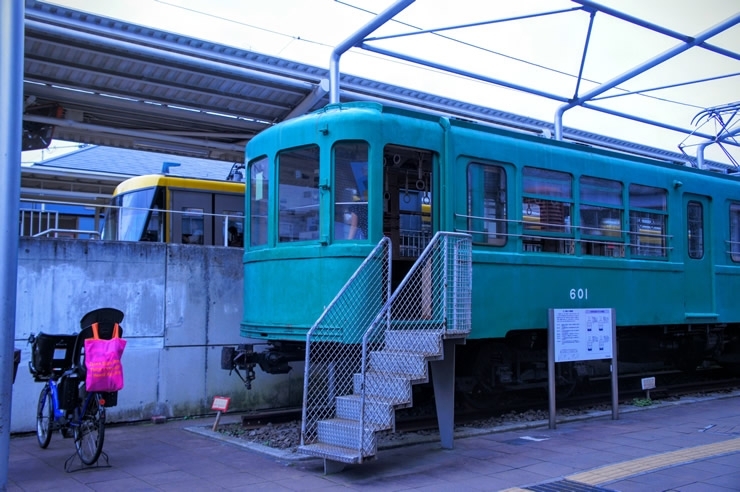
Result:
[[136, 216]]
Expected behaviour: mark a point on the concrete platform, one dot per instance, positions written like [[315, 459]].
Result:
[[691, 445]]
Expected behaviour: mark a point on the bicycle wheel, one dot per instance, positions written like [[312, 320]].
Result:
[[44, 417], [90, 431]]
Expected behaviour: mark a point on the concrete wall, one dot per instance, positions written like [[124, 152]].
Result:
[[181, 304]]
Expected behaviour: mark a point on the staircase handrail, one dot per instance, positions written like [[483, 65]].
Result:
[[384, 316], [384, 243]]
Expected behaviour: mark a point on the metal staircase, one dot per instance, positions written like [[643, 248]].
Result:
[[370, 346]]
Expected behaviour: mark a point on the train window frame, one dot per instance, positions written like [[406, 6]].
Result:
[[350, 206], [487, 215], [259, 202], [604, 199], [299, 205], [734, 242], [651, 216], [551, 189]]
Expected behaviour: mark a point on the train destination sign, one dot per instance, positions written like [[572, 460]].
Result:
[[583, 334]]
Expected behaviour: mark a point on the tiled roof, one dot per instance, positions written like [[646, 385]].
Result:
[[112, 160]]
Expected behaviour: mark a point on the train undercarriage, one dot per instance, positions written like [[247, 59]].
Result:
[[487, 368]]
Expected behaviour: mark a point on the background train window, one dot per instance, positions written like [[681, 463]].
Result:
[[695, 229], [487, 203], [350, 190], [648, 217], [298, 194], [192, 225], [735, 231], [137, 218], [259, 178], [600, 211], [547, 203], [234, 228]]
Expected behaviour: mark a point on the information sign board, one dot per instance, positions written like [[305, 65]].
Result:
[[583, 334]]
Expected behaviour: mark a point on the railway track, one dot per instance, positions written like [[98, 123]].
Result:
[[281, 427]]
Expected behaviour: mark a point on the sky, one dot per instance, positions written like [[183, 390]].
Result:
[[542, 52]]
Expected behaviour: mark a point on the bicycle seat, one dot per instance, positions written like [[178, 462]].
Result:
[[100, 316]]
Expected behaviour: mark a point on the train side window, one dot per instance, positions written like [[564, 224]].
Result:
[[350, 191], [192, 225], [600, 209], [695, 229], [487, 203], [648, 218], [259, 177], [735, 231], [298, 194], [234, 228], [547, 203]]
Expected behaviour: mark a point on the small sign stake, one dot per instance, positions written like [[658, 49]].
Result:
[[220, 404], [647, 385]]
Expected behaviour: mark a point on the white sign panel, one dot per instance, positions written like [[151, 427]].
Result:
[[582, 334]]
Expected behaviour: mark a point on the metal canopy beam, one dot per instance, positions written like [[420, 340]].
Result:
[[666, 55], [688, 42], [354, 39]]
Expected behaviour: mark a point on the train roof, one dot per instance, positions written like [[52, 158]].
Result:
[[152, 180], [668, 160]]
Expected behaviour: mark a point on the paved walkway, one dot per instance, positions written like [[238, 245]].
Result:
[[692, 446]]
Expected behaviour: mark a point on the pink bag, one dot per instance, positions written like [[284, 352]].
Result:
[[103, 361]]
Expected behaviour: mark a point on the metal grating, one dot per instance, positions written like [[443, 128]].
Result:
[[566, 486]]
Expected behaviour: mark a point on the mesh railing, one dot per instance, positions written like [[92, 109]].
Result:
[[333, 344], [369, 341], [434, 298]]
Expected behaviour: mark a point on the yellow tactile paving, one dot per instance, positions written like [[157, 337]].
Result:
[[618, 471]]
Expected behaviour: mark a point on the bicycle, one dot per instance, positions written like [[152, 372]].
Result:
[[64, 403]]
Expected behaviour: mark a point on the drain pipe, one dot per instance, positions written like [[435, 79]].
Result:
[[356, 39]]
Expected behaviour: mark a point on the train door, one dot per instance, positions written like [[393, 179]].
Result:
[[407, 204], [699, 268], [191, 217], [229, 211]]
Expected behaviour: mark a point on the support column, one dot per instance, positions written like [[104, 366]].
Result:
[[11, 102], [443, 379]]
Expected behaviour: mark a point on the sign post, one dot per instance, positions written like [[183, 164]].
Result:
[[577, 335], [220, 404]]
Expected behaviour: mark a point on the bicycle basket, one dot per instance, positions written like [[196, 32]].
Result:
[[51, 355]]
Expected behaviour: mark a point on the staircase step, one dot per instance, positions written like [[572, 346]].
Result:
[[332, 452], [346, 433], [411, 364], [384, 386], [379, 413], [427, 342]]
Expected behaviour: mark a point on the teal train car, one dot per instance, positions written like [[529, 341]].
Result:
[[554, 225]]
